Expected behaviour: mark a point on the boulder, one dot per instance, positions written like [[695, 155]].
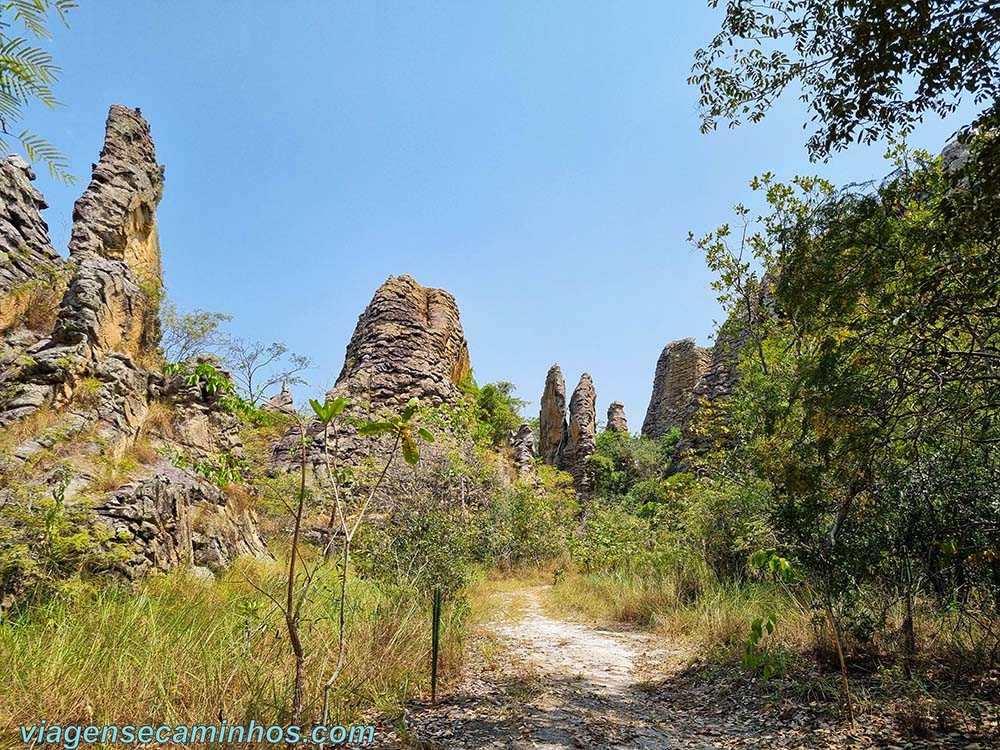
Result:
[[172, 520]]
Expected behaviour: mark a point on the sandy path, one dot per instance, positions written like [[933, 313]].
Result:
[[534, 681], [550, 684]]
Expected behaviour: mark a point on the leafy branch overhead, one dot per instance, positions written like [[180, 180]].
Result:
[[865, 69], [27, 75]]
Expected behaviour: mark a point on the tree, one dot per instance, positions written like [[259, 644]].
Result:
[[869, 401], [497, 409], [188, 334], [303, 573], [27, 74], [866, 68], [257, 367]]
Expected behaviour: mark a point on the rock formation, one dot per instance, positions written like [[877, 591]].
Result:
[[87, 378], [281, 403], [616, 418], [719, 377], [552, 417], [522, 444], [28, 262], [581, 434], [678, 371], [113, 299], [408, 344]]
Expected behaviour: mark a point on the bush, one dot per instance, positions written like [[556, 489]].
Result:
[[524, 527]]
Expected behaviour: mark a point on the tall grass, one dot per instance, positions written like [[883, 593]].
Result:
[[686, 604], [176, 649]]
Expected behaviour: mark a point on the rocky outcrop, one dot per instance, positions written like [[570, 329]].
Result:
[[408, 343], [678, 371], [581, 435], [282, 402], [90, 378], [720, 373], [552, 417], [522, 445], [113, 299], [172, 520], [616, 418], [110, 308], [28, 262]]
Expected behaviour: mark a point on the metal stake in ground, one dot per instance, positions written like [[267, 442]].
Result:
[[435, 640]]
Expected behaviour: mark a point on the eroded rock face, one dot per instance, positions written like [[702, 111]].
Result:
[[523, 445], [26, 254], [616, 418], [679, 370], [91, 375], [720, 374], [173, 520], [552, 417], [581, 435], [113, 299], [408, 344]]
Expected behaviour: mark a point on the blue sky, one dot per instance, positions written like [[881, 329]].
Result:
[[541, 161]]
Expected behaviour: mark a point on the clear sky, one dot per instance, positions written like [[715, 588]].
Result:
[[539, 160]]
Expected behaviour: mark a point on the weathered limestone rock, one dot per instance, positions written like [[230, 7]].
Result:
[[552, 417], [678, 371], [281, 403], [523, 445], [113, 299], [172, 520], [581, 435], [27, 258], [408, 344], [616, 418], [719, 377]]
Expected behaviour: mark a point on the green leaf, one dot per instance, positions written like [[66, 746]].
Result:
[[369, 429], [318, 409], [410, 453], [425, 435], [337, 407], [411, 408]]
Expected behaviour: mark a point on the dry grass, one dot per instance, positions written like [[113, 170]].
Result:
[[239, 497], [143, 452], [178, 650], [114, 472], [160, 420], [87, 391], [34, 425], [33, 305], [686, 606]]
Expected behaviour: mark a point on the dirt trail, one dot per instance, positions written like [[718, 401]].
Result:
[[547, 683], [537, 681]]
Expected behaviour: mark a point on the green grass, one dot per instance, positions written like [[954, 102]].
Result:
[[178, 650]]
